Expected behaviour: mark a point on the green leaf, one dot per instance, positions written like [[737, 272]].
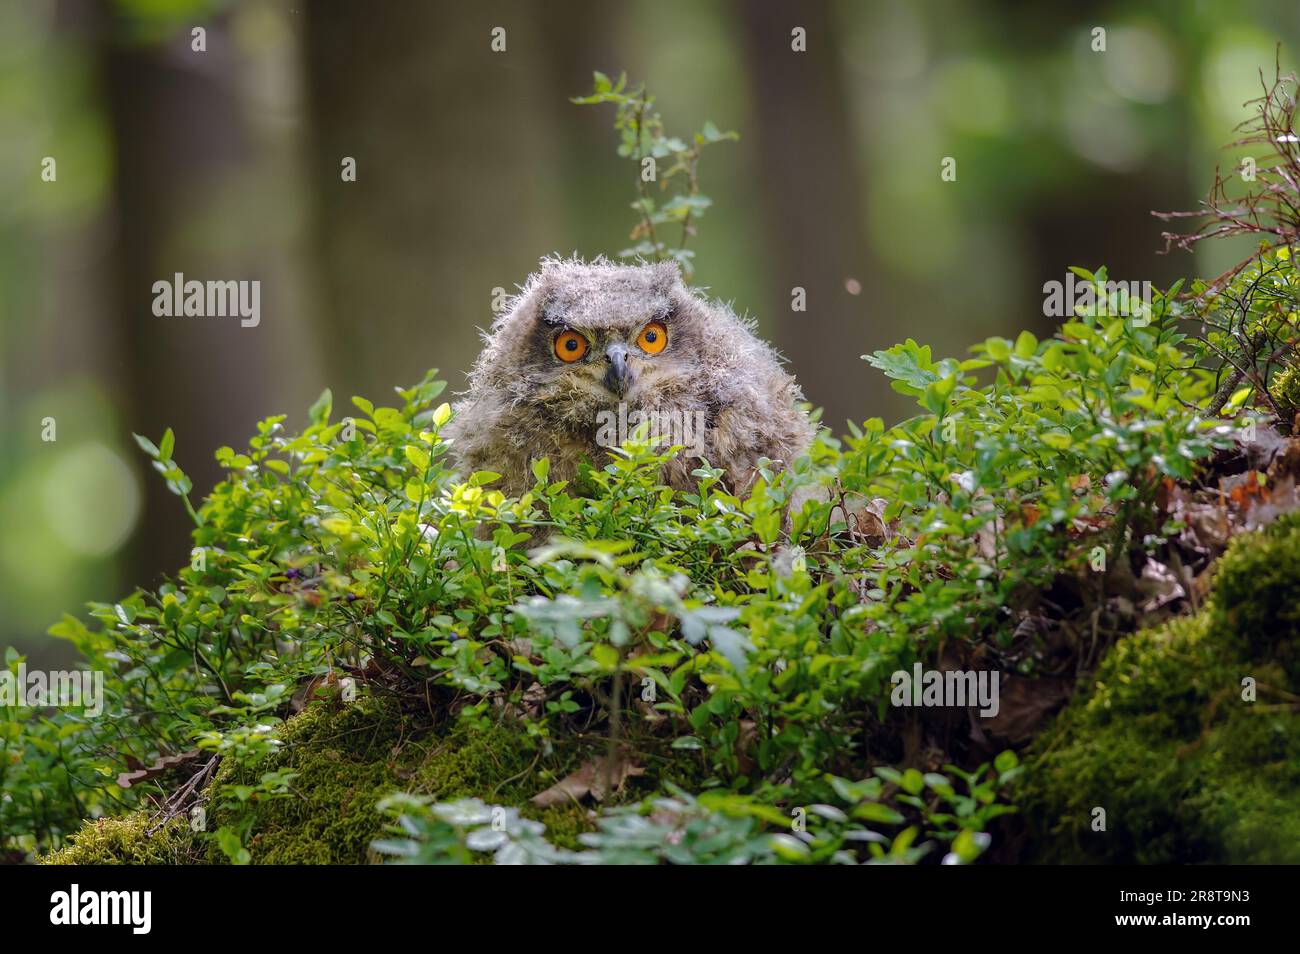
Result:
[[148, 446], [908, 364], [789, 847], [319, 413], [999, 349], [1026, 345], [913, 782], [231, 846], [606, 656], [1238, 398], [417, 456], [876, 812], [1006, 761]]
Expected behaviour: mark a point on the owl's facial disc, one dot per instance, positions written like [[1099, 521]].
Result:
[[605, 365]]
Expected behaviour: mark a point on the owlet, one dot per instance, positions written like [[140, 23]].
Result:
[[587, 351]]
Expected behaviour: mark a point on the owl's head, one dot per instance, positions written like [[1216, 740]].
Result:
[[584, 336]]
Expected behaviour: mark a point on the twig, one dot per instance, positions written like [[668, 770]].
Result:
[[180, 800]]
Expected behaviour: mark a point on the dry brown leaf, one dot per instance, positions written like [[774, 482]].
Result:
[[534, 700], [520, 646], [164, 764], [1268, 445], [314, 689], [1209, 525], [597, 777]]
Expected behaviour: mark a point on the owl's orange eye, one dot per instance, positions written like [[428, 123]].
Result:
[[570, 346], [653, 338]]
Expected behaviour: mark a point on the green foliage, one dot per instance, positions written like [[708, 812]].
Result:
[[642, 139], [1247, 327], [1002, 486], [43, 792], [724, 827], [339, 764]]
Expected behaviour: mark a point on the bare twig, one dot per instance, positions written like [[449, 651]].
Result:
[[1271, 208], [188, 794]]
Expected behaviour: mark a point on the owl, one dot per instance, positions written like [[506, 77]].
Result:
[[588, 350]]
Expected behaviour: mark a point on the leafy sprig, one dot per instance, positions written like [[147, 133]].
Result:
[[642, 138]]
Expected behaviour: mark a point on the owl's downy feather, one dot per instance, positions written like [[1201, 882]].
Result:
[[525, 402]]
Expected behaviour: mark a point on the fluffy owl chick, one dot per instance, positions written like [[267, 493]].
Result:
[[585, 348]]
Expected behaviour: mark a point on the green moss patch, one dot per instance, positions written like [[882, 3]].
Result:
[[122, 841], [1166, 742], [346, 760]]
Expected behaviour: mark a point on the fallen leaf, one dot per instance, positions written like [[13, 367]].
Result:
[[597, 777], [534, 700], [1268, 444], [313, 689], [164, 764], [1159, 585]]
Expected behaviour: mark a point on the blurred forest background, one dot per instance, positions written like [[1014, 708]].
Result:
[[472, 164]]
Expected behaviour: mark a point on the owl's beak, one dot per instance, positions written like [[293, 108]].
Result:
[[618, 378]]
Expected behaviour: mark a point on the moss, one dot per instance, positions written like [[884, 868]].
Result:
[[1187, 770], [488, 761], [1285, 388], [564, 823], [122, 841], [1257, 595], [346, 760]]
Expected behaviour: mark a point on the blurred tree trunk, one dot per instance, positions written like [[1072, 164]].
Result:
[[178, 134], [813, 201], [451, 198]]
